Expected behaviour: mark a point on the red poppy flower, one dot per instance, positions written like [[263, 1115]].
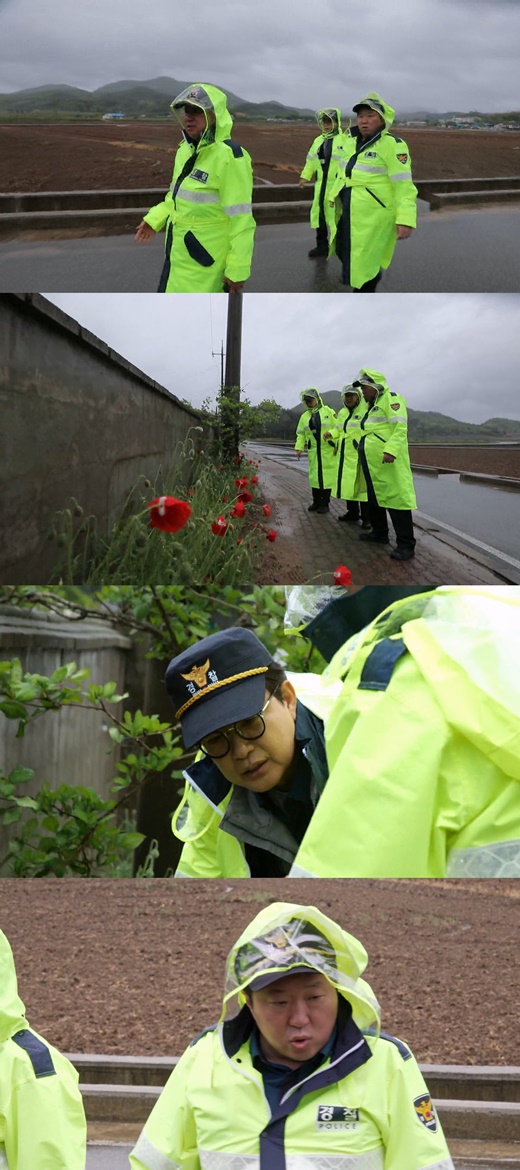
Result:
[[271, 535], [254, 479], [266, 510], [245, 497], [168, 514], [242, 482], [240, 540], [239, 509], [225, 499], [342, 575], [219, 526]]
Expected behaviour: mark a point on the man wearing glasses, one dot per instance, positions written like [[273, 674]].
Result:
[[252, 791]]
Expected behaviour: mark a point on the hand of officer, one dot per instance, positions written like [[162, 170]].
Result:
[[302, 182], [388, 458], [298, 454], [233, 285], [402, 232], [144, 233]]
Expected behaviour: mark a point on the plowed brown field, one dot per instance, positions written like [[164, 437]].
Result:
[[137, 967], [101, 155]]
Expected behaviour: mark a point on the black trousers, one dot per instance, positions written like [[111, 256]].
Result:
[[355, 506], [370, 285], [401, 520], [321, 496]]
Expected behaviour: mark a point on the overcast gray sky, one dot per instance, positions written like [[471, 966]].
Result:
[[456, 353], [420, 54]]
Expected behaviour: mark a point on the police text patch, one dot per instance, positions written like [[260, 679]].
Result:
[[202, 176], [426, 1113], [336, 1117]]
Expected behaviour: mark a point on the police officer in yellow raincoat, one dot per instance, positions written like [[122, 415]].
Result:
[[42, 1121], [207, 212], [384, 464], [326, 155], [297, 1071], [375, 197], [313, 436], [347, 433], [423, 741]]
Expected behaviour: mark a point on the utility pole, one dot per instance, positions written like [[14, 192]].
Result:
[[230, 401]]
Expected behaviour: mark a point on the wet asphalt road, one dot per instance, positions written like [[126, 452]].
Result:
[[451, 251]]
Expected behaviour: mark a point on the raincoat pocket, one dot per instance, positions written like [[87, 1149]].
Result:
[[197, 251], [381, 204]]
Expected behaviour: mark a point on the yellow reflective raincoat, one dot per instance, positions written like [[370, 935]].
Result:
[[373, 193], [365, 1107], [42, 1122], [423, 743], [327, 156], [208, 211], [347, 433], [384, 430], [310, 432]]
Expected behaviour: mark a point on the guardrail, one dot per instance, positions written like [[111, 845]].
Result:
[[119, 211]]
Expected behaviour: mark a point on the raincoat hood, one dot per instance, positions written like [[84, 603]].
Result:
[[284, 936], [12, 1010], [329, 112], [317, 395], [351, 390], [375, 377], [377, 103], [208, 98]]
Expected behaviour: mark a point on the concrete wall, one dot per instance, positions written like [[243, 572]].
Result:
[[77, 420]]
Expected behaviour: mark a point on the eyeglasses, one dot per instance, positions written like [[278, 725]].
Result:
[[218, 743]]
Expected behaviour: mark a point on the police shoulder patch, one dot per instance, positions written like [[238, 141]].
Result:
[[425, 1112], [403, 158], [394, 406], [210, 1028]]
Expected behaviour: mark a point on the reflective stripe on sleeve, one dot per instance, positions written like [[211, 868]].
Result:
[[445, 1164], [396, 418], [151, 1157], [401, 177], [198, 196], [372, 170], [312, 155], [238, 209], [299, 871], [499, 860]]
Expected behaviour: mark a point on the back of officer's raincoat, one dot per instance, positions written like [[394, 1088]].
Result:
[[209, 222], [423, 744], [366, 1107], [316, 168], [42, 1122], [373, 193], [310, 437], [384, 429], [347, 433]]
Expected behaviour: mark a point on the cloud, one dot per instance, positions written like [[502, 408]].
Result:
[[454, 353], [428, 54]]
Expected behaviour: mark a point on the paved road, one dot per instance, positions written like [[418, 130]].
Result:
[[452, 251]]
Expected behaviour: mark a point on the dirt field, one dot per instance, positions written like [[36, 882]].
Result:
[[101, 155], [137, 967]]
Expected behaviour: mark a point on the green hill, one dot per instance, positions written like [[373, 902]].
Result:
[[134, 99], [424, 426]]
